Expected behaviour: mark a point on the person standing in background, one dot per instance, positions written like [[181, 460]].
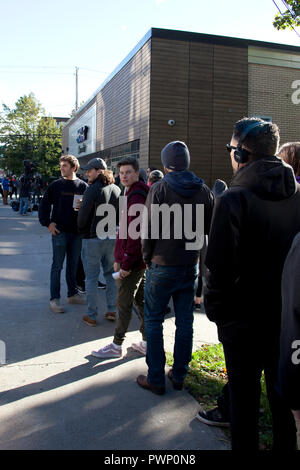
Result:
[[61, 196]]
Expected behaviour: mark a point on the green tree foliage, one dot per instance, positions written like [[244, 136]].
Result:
[[289, 18], [26, 133]]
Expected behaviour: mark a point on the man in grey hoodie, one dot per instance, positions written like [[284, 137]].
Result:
[[171, 244]]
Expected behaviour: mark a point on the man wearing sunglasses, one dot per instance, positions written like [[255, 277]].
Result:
[[253, 227]]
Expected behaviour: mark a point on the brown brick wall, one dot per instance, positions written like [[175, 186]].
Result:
[[123, 106], [204, 88], [270, 95]]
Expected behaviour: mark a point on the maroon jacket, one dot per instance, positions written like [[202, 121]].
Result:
[[128, 252]]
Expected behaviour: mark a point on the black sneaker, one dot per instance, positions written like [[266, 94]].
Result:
[[101, 286], [213, 418]]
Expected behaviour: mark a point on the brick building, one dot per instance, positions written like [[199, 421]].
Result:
[[190, 87]]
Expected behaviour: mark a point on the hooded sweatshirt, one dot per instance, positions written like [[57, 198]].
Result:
[[128, 251], [253, 226], [161, 243]]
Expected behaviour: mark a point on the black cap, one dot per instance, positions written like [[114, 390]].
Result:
[[175, 156], [96, 163]]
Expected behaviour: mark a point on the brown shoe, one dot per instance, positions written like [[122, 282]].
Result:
[[110, 316], [77, 299], [143, 382], [89, 321], [176, 385]]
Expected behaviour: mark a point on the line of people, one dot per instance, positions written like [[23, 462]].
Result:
[[250, 228], [26, 191], [8, 188]]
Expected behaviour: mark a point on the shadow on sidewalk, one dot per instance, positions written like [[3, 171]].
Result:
[[92, 367]]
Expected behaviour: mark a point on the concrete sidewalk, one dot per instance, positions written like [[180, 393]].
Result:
[[53, 393]]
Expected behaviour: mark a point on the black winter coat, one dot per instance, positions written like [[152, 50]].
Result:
[[95, 195], [254, 224], [289, 363]]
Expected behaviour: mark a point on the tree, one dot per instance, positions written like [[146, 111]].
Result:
[[27, 134], [290, 18], [48, 146]]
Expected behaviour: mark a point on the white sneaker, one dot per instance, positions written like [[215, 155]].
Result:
[[77, 299], [108, 351], [55, 306], [140, 347]]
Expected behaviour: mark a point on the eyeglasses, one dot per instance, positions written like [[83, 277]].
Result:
[[230, 147]]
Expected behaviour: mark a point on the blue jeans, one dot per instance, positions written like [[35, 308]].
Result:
[[94, 253], [24, 202], [64, 244], [162, 283]]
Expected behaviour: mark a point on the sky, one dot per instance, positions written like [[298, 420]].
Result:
[[43, 42]]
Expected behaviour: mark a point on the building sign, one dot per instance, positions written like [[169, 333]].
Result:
[[82, 135]]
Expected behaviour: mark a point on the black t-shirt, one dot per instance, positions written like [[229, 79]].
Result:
[[60, 196]]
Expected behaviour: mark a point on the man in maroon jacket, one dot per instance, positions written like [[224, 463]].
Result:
[[129, 261]]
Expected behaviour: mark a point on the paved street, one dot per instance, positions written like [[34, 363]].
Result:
[[53, 393]]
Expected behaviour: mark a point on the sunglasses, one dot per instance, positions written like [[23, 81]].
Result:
[[230, 147]]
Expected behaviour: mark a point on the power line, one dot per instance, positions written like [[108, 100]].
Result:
[[40, 73], [284, 3], [37, 66], [50, 67], [289, 9], [28, 135]]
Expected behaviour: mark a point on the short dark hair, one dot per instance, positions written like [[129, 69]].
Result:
[[262, 141], [290, 153], [129, 161]]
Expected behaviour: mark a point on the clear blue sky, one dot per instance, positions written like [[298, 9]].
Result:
[[42, 42]]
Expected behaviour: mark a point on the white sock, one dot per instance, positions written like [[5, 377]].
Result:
[[144, 343], [117, 346]]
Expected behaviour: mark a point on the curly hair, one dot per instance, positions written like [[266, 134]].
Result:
[[106, 177]]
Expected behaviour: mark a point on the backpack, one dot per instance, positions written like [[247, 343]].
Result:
[[15, 206]]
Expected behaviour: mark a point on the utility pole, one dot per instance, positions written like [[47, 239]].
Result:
[[76, 88]]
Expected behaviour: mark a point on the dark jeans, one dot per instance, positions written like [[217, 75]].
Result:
[[162, 283], [248, 351], [199, 286], [80, 274], [64, 245]]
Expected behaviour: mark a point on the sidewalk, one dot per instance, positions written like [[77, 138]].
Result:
[[53, 393]]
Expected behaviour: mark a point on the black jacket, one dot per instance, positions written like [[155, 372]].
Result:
[[59, 197], [182, 188], [254, 223], [289, 363], [95, 195], [25, 187]]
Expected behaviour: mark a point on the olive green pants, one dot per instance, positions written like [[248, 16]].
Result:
[[130, 291]]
